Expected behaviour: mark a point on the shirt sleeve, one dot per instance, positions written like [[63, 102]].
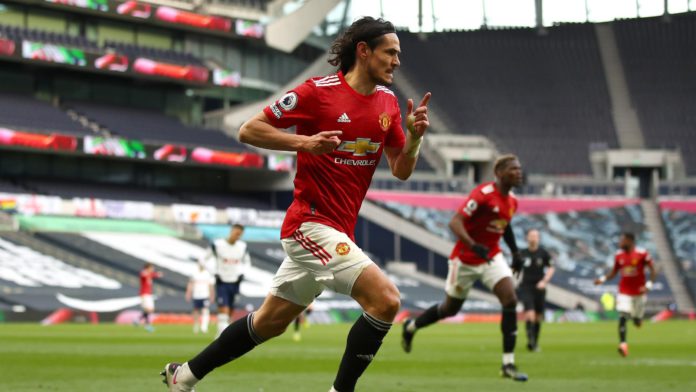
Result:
[[648, 259], [547, 259], [396, 137], [472, 204], [246, 260], [296, 107]]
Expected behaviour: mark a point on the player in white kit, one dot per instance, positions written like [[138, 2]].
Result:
[[201, 290], [231, 262]]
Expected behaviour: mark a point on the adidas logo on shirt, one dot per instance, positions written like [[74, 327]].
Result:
[[343, 119]]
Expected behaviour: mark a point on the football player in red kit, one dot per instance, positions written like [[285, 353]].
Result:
[[344, 123], [479, 224], [630, 263], [147, 301]]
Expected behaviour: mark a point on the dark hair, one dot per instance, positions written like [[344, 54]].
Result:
[[629, 235], [237, 226], [366, 29], [147, 265], [503, 161]]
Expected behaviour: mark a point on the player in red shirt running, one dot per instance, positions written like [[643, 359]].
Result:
[[479, 223], [147, 302], [344, 122], [630, 262]]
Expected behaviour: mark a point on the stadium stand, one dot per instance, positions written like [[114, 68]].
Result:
[[68, 189], [76, 41], [260, 4], [253, 4], [85, 246], [10, 187], [35, 269], [526, 92], [170, 56], [153, 126], [131, 50], [681, 229], [32, 277], [224, 200], [28, 113], [658, 59]]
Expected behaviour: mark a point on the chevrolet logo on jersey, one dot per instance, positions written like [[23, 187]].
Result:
[[360, 147], [497, 226]]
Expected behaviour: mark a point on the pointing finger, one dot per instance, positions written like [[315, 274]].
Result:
[[409, 106], [425, 100]]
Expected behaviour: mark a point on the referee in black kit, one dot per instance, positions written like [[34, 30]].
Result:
[[537, 271]]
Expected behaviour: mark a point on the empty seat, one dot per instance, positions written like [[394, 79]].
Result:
[[541, 97]]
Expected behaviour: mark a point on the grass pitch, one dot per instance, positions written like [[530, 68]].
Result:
[[575, 357]]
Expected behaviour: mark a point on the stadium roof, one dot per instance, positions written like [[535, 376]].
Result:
[[438, 15]]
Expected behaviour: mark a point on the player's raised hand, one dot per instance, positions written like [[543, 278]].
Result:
[[417, 120], [322, 142]]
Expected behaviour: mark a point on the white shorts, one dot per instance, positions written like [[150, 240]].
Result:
[[147, 302], [462, 276], [318, 257], [633, 305]]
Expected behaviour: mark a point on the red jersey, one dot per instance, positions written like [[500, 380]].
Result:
[[631, 265], [146, 278], [487, 212], [330, 188]]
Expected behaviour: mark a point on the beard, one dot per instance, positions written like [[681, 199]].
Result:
[[377, 79], [385, 83]]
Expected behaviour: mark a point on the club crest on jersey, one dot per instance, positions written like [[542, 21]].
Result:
[[342, 248], [384, 121], [288, 101]]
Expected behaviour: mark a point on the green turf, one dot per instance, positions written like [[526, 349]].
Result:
[[575, 357]]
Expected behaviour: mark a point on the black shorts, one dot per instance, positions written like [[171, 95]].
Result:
[[226, 293], [199, 304], [532, 298]]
